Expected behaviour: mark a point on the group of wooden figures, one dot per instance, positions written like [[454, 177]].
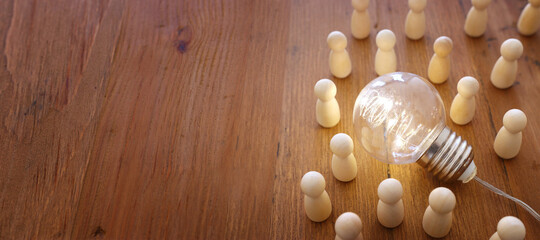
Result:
[[475, 23], [437, 218]]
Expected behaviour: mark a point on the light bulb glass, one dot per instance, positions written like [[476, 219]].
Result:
[[397, 117]]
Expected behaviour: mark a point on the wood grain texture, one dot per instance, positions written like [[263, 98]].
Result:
[[196, 119]]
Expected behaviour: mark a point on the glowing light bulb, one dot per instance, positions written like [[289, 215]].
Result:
[[399, 118]]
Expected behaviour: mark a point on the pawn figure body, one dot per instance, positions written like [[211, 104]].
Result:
[[360, 23], [464, 105], [327, 108], [439, 65], [508, 140], [316, 200], [509, 228], [437, 219], [390, 207], [505, 69], [343, 161], [415, 23], [529, 20], [340, 62], [385, 58], [477, 18], [348, 227]]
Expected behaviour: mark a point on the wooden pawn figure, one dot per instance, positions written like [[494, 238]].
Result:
[[348, 227], [529, 20], [327, 108], [505, 69], [508, 140], [316, 200], [415, 23], [343, 161], [340, 62], [464, 105], [439, 65], [437, 219], [360, 23], [477, 18], [385, 58], [390, 207], [509, 228]]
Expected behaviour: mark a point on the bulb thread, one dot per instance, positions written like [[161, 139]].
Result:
[[448, 157]]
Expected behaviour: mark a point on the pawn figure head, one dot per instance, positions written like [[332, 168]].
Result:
[[442, 200], [535, 3], [336, 41], [348, 226], [417, 5], [511, 228], [468, 87], [313, 184], [360, 5], [385, 40], [342, 145], [511, 49], [514, 120], [481, 4], [325, 89], [443, 46], [390, 191]]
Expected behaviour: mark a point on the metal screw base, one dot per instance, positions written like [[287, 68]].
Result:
[[449, 158]]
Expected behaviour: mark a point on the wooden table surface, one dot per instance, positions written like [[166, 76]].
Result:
[[196, 119]]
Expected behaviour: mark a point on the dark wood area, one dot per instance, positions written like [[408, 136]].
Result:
[[196, 119]]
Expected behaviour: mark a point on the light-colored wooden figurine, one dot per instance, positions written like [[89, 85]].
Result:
[[529, 20], [385, 58], [477, 18], [348, 227], [439, 65], [343, 161], [438, 215], [390, 207], [464, 105], [327, 108], [415, 23], [508, 140], [505, 69], [340, 62], [316, 200], [360, 23], [509, 228]]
